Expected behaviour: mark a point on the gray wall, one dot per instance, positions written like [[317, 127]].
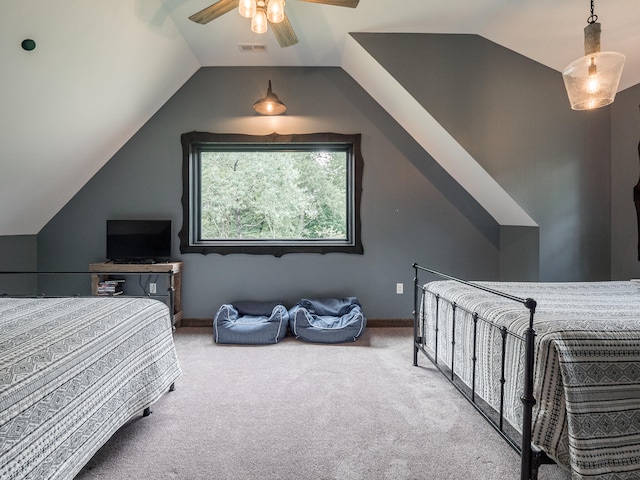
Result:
[[512, 115], [411, 209], [404, 217], [18, 253], [625, 173]]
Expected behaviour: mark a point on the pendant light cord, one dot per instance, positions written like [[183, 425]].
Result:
[[593, 18]]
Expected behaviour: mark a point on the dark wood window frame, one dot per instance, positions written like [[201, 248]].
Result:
[[195, 142]]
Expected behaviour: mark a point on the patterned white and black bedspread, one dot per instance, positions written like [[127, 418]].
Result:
[[587, 374], [72, 371]]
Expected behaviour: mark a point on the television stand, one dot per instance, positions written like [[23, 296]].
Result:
[[101, 271]]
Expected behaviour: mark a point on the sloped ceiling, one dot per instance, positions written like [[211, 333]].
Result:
[[101, 69]]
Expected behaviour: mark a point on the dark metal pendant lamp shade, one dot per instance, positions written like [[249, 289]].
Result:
[[270, 104]]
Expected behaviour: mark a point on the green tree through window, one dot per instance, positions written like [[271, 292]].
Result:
[[248, 194], [273, 195]]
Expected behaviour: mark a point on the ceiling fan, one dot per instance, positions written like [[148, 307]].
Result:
[[262, 12]]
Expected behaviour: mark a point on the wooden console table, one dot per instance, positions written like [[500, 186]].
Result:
[[101, 271]]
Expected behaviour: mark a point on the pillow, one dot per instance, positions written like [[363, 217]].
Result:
[[255, 308], [334, 307]]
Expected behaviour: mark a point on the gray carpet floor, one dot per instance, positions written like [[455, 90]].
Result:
[[304, 411]]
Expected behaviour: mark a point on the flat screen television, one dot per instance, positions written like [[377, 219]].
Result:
[[139, 241]]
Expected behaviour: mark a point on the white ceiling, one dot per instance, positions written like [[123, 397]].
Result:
[[548, 31], [101, 69]]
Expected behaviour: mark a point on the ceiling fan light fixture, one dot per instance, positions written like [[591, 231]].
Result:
[[259, 20], [261, 13], [592, 81], [275, 11], [270, 104], [247, 8]]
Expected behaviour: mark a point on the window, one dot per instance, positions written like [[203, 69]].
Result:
[[272, 194]]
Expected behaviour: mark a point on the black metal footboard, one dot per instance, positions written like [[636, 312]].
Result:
[[531, 457], [81, 283]]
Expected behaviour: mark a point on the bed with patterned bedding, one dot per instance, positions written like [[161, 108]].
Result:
[[72, 372], [587, 364]]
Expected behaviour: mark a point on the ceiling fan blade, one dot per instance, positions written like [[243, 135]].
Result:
[[214, 11], [337, 3], [284, 33]]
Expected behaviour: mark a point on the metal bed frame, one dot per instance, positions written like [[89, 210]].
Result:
[[531, 456], [168, 297]]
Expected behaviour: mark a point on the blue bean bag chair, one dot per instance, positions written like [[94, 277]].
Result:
[[327, 320], [250, 322]]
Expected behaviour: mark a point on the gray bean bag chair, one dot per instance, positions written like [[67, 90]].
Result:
[[250, 322], [327, 320]]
